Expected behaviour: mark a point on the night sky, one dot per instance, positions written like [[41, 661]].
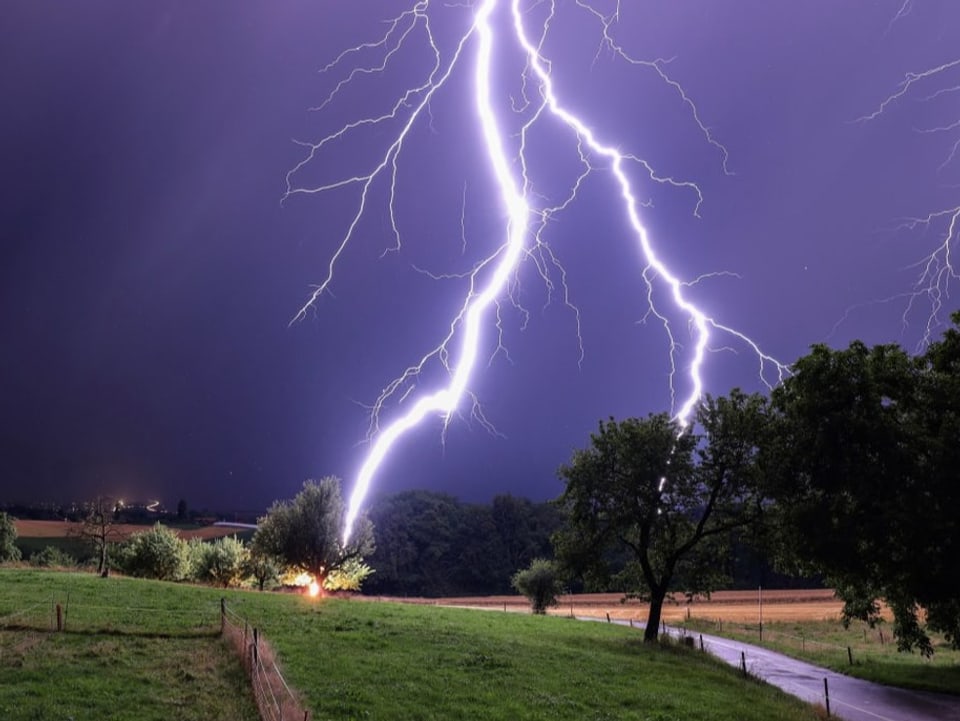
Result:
[[151, 265]]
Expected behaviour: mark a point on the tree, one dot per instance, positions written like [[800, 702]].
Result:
[[650, 505], [306, 532], [541, 583], [158, 553], [864, 460], [262, 567], [8, 539], [99, 530]]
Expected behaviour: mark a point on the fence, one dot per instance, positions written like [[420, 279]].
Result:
[[275, 699], [804, 644]]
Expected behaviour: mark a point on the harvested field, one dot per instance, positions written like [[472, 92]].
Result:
[[62, 529], [738, 606]]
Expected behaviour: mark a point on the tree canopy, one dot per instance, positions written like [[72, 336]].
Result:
[[651, 505], [306, 532], [864, 462]]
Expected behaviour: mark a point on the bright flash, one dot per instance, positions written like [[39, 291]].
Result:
[[313, 589], [498, 30]]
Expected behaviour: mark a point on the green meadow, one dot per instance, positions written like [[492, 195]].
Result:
[[134, 649]]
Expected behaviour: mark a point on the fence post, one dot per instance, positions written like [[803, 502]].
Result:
[[59, 617], [743, 662], [256, 650], [761, 631], [701, 641], [608, 618], [850, 655], [223, 615], [826, 694]]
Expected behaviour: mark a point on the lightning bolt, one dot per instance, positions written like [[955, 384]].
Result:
[[936, 271], [496, 28]]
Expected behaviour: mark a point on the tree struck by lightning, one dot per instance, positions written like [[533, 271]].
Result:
[[498, 36], [936, 271]]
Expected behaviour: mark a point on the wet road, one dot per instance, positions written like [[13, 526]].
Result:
[[850, 698]]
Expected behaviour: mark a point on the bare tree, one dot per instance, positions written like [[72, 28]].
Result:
[[99, 529]]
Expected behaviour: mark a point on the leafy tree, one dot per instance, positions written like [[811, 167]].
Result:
[[541, 583], [864, 463], [650, 505], [158, 553], [99, 530], [8, 539], [307, 532], [221, 562], [261, 567]]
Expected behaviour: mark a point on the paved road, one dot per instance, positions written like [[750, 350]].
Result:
[[850, 698]]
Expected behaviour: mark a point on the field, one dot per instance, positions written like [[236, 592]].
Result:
[[352, 660], [34, 536], [130, 650], [734, 606], [62, 529]]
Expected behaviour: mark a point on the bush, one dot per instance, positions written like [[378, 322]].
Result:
[[8, 539], [52, 557], [540, 582], [158, 553], [221, 562]]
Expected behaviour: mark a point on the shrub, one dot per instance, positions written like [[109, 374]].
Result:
[[52, 557], [8, 539], [158, 553], [220, 562], [540, 582]]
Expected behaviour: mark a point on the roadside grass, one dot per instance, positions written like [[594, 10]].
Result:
[[146, 650], [874, 651], [131, 650]]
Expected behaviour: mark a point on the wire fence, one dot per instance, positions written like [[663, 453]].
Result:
[[802, 643], [275, 699]]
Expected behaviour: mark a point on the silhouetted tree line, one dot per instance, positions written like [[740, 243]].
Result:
[[431, 544]]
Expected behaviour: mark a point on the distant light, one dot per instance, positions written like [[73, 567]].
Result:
[[313, 589]]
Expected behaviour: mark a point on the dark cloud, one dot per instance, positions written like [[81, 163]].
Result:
[[150, 270]]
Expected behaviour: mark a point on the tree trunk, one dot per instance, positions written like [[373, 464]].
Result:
[[653, 618], [104, 566]]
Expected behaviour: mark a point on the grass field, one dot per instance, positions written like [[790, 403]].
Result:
[[350, 660], [130, 650]]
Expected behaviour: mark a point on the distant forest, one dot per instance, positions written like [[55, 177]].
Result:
[[431, 544]]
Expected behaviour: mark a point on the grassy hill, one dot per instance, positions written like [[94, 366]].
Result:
[[151, 649]]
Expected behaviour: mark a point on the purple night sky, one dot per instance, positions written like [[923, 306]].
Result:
[[151, 266]]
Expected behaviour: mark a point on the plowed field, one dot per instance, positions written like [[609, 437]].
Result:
[[736, 606], [62, 529]]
